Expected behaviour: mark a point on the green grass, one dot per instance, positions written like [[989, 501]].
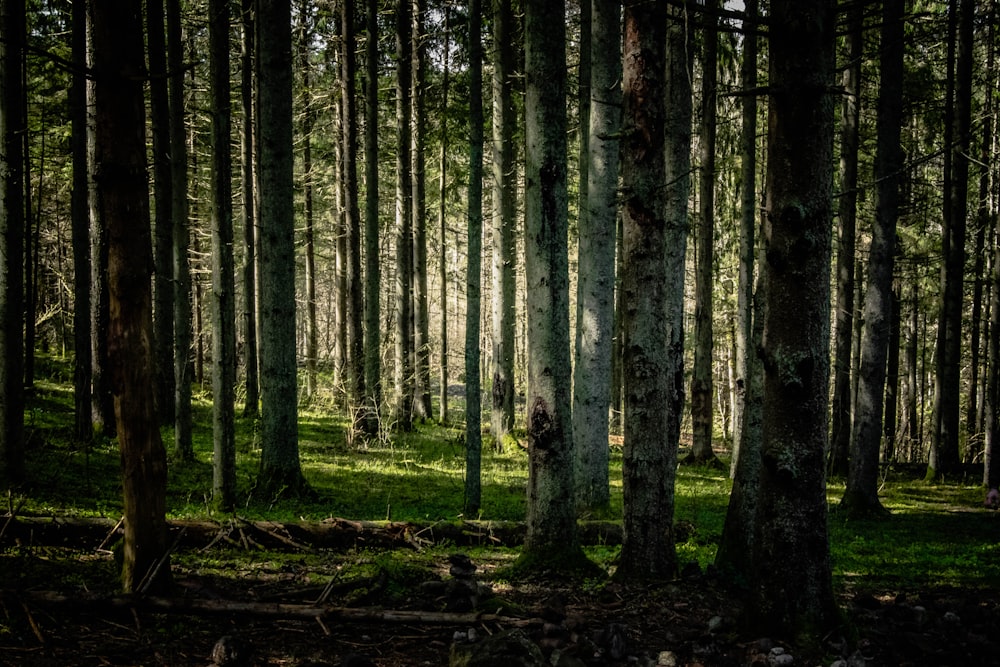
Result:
[[937, 534]]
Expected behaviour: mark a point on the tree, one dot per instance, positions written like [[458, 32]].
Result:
[[473, 391], [944, 457], [421, 324], [163, 249], [352, 226], [308, 115], [223, 279], [504, 186], [797, 596], [404, 381], [655, 150], [701, 378], [249, 221], [596, 261], [443, 226], [551, 522], [280, 470], [12, 128], [183, 446], [80, 212], [124, 209], [373, 356], [748, 227], [850, 112], [861, 495]]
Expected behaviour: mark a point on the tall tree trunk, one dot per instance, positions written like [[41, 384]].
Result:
[[373, 273], [223, 271], [124, 208], [308, 232], [352, 225], [861, 496], [163, 240], [249, 221], [473, 391], [83, 425], [944, 452], [850, 113], [280, 470], [12, 128], [443, 225], [404, 381], [183, 447], [889, 429], [748, 227], [596, 263], [421, 322], [701, 380], [551, 520], [504, 219], [655, 150], [988, 217], [791, 527]]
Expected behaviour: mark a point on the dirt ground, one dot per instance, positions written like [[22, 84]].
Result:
[[691, 621]]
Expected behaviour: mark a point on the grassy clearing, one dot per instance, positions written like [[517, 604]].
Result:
[[937, 533]]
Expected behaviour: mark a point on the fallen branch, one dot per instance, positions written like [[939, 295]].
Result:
[[325, 613]]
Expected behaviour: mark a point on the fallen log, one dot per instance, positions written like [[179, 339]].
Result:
[[89, 533], [205, 606]]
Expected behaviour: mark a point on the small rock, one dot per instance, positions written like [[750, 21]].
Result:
[[777, 657], [951, 617], [666, 659], [230, 651], [716, 623], [461, 566]]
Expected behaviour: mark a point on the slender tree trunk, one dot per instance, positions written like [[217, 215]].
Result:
[[701, 381], [944, 456], [861, 496], [163, 283], [12, 128], [791, 517], [988, 218], [473, 391], [443, 226], [373, 273], [249, 222], [83, 425], [504, 219], [655, 77], [124, 208], [421, 322], [280, 470], [596, 263], [308, 121], [223, 272], [748, 230], [183, 447], [404, 380], [850, 112], [352, 225], [889, 429]]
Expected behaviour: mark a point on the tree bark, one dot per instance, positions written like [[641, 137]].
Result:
[[223, 271], [249, 221], [596, 261], [280, 471], [421, 323], [124, 208], [861, 496], [12, 128], [850, 112], [701, 377], [443, 227], [504, 220], [373, 273], [551, 538], [655, 150], [183, 445], [791, 589], [404, 380], [473, 392]]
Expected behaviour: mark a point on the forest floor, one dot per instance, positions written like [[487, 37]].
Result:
[[690, 621]]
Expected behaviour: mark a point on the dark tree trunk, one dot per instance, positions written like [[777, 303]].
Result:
[[473, 393], [861, 496], [404, 380], [373, 342], [12, 128], [791, 588], [421, 323], [223, 278], [249, 221], [850, 111], [83, 419], [124, 208], [889, 423], [443, 228]]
